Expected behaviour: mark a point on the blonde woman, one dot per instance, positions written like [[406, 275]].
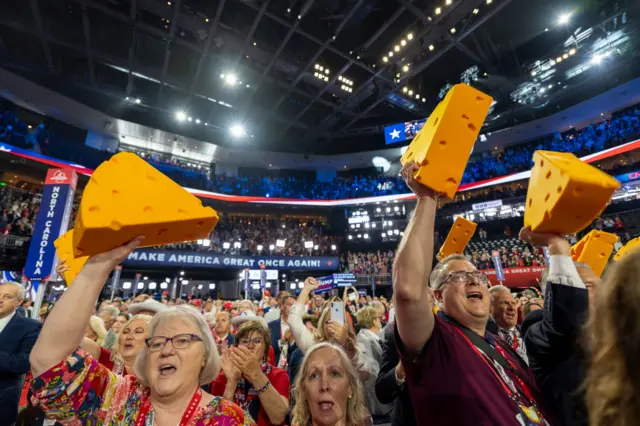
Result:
[[327, 390], [95, 330], [328, 330], [130, 342], [613, 385]]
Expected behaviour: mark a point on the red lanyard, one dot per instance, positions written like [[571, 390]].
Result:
[[495, 373], [186, 417]]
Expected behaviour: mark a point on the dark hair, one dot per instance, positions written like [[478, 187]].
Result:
[[312, 318], [249, 327]]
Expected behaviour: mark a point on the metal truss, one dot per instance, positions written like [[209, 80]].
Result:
[[426, 63], [168, 44], [427, 31], [37, 17]]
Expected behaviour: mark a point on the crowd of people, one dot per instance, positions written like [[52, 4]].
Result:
[[17, 212], [259, 235], [369, 263], [623, 127], [447, 349], [234, 234]]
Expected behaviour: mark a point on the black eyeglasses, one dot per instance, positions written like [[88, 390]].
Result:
[[245, 342], [179, 341], [465, 277]]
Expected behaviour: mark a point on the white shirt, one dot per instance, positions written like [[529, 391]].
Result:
[[4, 321], [283, 327], [272, 315]]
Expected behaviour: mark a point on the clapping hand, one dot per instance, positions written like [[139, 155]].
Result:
[[230, 370], [246, 362], [288, 337]]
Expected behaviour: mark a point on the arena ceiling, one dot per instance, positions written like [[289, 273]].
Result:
[[318, 76]]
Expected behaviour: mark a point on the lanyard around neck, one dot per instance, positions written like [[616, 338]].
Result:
[[186, 417]]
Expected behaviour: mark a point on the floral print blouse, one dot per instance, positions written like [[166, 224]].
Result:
[[81, 391]]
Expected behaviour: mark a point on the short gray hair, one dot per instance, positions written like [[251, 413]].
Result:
[[212, 358], [109, 309], [22, 291], [245, 301], [440, 270], [496, 289]]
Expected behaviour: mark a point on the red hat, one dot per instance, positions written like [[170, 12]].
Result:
[[196, 302], [228, 306], [267, 293]]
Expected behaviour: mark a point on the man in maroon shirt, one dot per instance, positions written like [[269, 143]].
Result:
[[457, 373]]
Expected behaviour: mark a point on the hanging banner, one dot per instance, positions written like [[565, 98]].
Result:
[[194, 259], [523, 277], [51, 222], [497, 264]]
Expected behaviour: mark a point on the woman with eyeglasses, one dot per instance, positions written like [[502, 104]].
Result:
[[71, 386], [249, 380]]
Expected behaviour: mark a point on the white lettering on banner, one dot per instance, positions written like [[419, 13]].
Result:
[[241, 262], [46, 233], [525, 270], [304, 263]]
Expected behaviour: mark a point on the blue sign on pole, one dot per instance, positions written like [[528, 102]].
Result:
[[325, 284], [263, 279], [51, 222], [497, 264]]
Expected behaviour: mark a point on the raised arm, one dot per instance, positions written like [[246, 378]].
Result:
[[412, 267], [310, 284], [64, 329], [550, 341], [302, 335]]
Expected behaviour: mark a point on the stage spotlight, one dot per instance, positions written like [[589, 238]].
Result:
[[564, 18], [230, 79], [181, 116], [236, 130], [597, 58], [138, 101]]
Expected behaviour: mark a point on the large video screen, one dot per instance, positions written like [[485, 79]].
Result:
[[401, 132]]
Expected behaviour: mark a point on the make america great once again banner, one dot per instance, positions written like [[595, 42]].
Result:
[[146, 257]]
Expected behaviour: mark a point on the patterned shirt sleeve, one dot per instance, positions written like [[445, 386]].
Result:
[[79, 388], [230, 414]]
